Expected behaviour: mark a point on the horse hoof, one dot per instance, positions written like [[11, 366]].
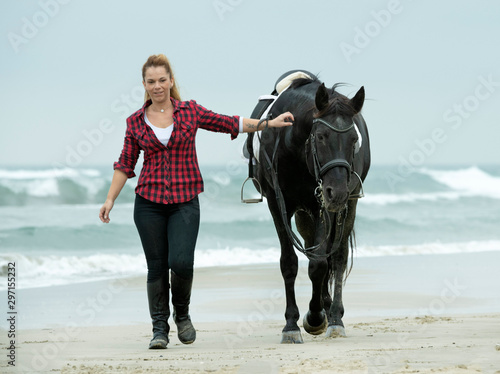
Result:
[[335, 332], [291, 337], [315, 330]]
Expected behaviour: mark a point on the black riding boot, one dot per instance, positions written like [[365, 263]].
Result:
[[159, 311], [181, 295]]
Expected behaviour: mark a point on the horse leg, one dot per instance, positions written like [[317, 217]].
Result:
[[335, 324], [338, 262], [315, 320], [289, 265], [327, 298]]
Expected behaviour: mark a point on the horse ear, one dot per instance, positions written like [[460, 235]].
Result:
[[322, 97], [358, 100]]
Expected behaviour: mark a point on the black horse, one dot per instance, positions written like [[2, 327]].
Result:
[[313, 171]]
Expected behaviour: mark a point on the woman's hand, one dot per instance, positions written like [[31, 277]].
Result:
[[105, 209], [284, 119]]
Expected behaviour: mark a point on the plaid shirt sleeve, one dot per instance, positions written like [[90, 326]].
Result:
[[211, 121], [130, 153]]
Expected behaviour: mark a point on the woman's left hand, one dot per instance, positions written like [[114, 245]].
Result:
[[285, 119]]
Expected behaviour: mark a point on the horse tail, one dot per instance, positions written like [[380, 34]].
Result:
[[343, 258], [350, 253]]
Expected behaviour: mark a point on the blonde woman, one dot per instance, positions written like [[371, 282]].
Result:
[[166, 210]]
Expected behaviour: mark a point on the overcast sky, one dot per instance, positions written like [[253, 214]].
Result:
[[71, 71]]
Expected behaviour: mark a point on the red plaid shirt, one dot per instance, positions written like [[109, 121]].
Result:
[[170, 174]]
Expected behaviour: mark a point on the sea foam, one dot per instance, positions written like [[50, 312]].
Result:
[[469, 182], [43, 271], [461, 183]]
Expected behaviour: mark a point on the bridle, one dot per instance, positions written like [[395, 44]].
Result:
[[321, 170]]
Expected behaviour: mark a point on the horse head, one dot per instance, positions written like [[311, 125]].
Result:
[[331, 145]]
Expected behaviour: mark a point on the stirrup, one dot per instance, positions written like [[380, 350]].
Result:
[[259, 188]]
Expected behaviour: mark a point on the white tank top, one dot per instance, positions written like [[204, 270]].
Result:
[[163, 135]]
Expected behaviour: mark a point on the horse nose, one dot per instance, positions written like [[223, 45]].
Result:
[[334, 195], [335, 199], [330, 193]]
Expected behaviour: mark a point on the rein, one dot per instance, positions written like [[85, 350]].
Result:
[[294, 239]]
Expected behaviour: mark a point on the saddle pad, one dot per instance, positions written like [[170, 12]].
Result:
[[283, 84]]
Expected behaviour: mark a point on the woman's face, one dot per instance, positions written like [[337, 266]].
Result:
[[157, 83]]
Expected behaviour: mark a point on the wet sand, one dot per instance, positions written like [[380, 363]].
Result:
[[404, 314]]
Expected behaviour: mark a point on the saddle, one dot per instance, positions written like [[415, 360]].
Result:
[[261, 111], [264, 106]]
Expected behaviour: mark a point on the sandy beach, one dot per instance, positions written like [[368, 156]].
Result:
[[404, 314]]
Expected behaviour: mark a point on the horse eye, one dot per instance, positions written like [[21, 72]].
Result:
[[321, 136]]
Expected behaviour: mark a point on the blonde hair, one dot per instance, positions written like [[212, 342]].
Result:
[[161, 60]]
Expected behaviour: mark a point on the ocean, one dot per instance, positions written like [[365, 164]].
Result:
[[49, 223]]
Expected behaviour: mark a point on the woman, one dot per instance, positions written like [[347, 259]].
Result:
[[166, 210]]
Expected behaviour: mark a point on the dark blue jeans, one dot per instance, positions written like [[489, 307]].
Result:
[[168, 234]]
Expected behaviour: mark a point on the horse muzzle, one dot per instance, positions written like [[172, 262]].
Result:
[[335, 199], [335, 187]]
